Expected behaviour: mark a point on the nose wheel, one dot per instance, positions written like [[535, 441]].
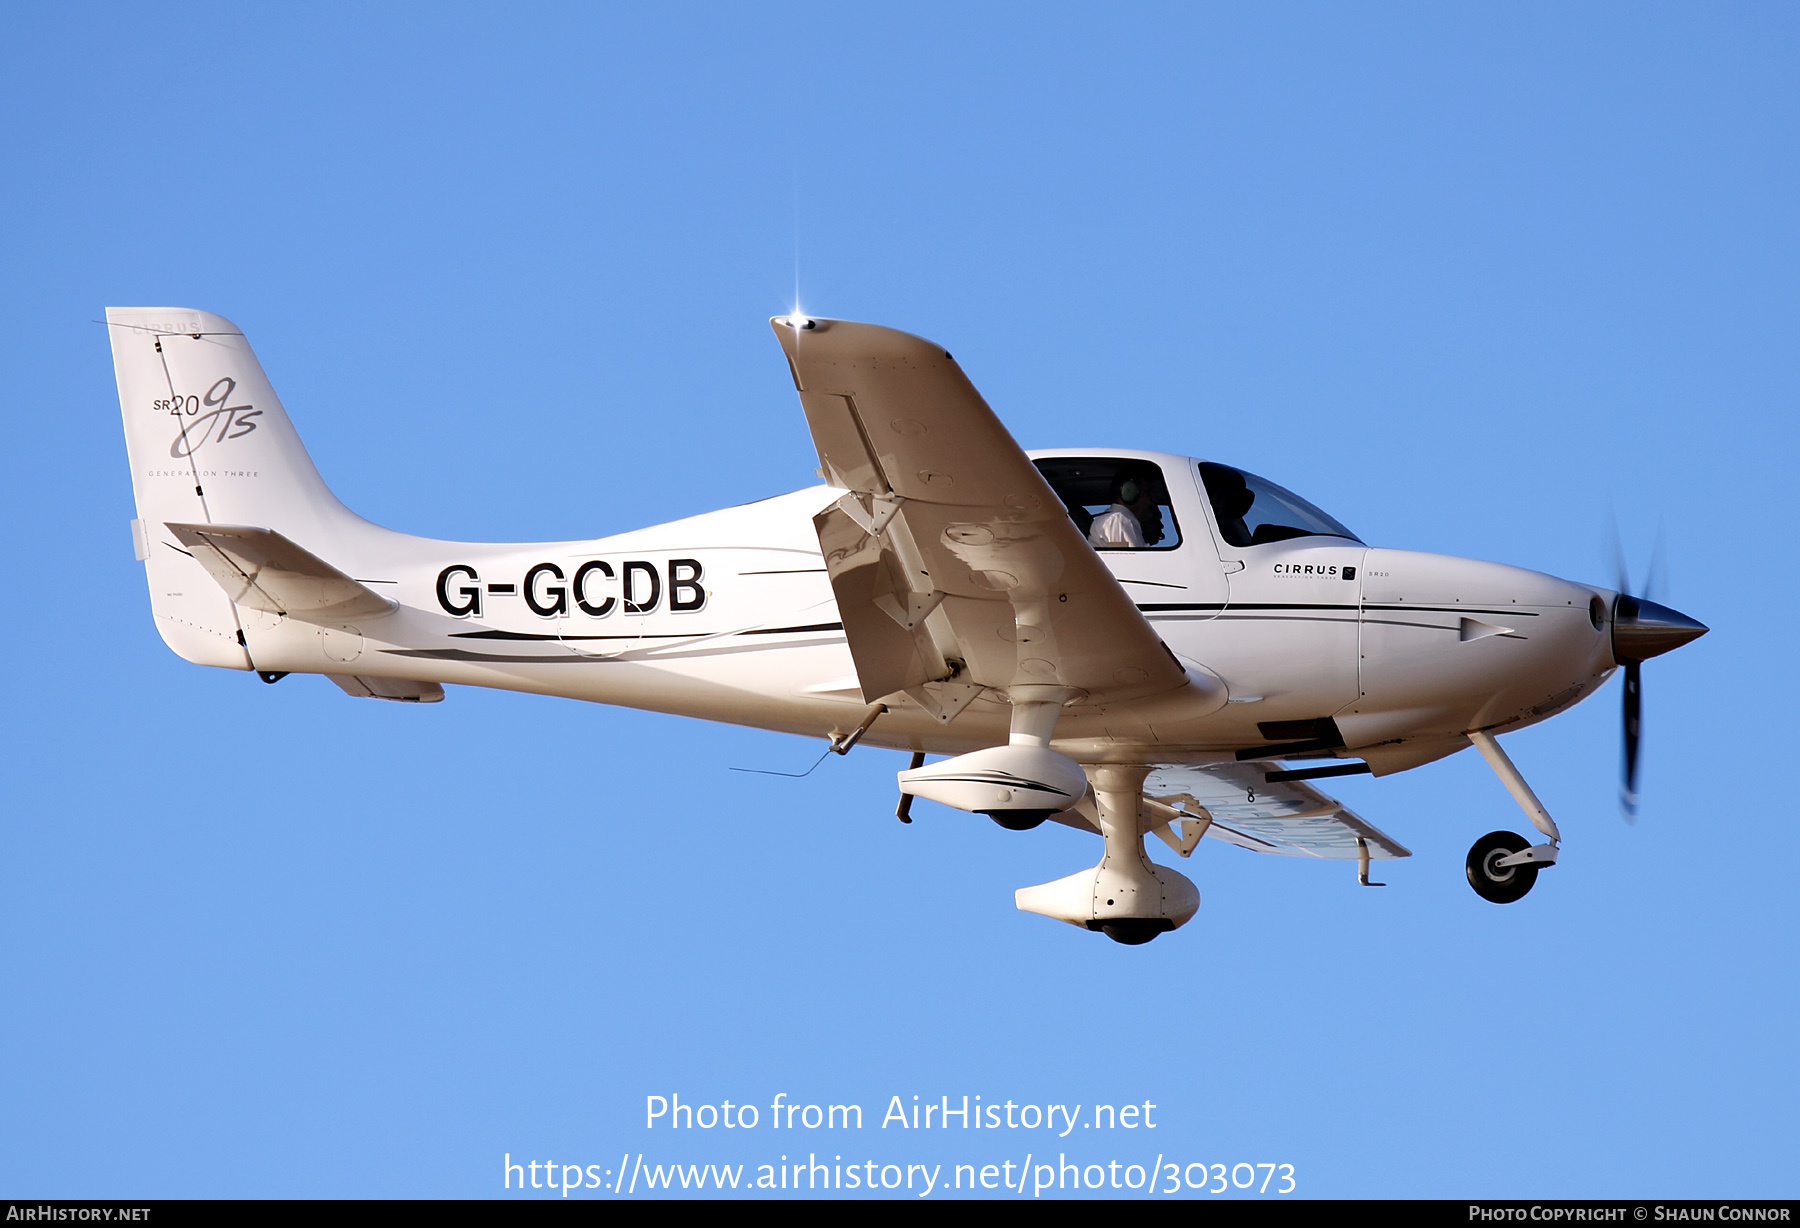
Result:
[[1496, 883]]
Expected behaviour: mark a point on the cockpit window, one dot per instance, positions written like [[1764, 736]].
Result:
[[1118, 504], [1252, 511]]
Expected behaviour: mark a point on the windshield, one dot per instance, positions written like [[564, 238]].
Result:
[[1252, 511]]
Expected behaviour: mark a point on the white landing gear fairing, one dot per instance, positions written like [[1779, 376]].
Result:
[[1129, 643]]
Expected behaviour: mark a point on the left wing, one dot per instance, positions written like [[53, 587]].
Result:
[[1290, 818], [951, 546]]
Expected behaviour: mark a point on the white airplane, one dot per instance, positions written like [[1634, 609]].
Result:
[[1126, 642]]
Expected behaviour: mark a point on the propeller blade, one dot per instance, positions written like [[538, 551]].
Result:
[[1634, 704], [1656, 579], [1641, 629], [1621, 574]]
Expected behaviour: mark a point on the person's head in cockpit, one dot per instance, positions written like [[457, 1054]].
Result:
[[1134, 520]]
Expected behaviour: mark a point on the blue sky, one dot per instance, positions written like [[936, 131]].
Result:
[[1471, 278]]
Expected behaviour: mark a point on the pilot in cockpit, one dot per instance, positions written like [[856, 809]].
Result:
[[1134, 520]]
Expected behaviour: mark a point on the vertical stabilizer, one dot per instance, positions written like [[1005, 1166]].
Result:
[[209, 443]]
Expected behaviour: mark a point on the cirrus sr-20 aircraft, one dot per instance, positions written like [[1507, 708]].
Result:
[[1129, 643]]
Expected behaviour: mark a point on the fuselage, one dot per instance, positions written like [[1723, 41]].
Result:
[[730, 616], [1123, 641]]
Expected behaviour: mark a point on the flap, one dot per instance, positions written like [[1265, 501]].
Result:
[[263, 570], [951, 545]]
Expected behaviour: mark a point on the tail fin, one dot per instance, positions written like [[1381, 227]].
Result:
[[209, 443]]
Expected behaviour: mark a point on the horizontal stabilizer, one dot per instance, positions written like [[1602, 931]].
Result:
[[401, 689], [262, 570]]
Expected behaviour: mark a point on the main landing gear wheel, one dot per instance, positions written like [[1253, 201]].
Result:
[[1132, 931], [1018, 820], [1496, 883]]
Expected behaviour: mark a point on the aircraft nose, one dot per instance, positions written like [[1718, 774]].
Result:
[[1642, 629]]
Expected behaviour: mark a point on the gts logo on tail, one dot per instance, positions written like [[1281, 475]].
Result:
[[195, 428], [597, 590]]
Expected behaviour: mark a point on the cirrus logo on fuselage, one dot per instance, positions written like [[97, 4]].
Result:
[[1315, 571], [596, 588]]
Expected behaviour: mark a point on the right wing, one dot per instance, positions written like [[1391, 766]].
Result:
[[1290, 818], [951, 547]]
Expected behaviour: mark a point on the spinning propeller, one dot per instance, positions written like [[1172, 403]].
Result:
[[1641, 629]]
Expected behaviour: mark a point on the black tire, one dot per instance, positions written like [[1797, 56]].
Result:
[[1018, 820], [1132, 931], [1496, 884]]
